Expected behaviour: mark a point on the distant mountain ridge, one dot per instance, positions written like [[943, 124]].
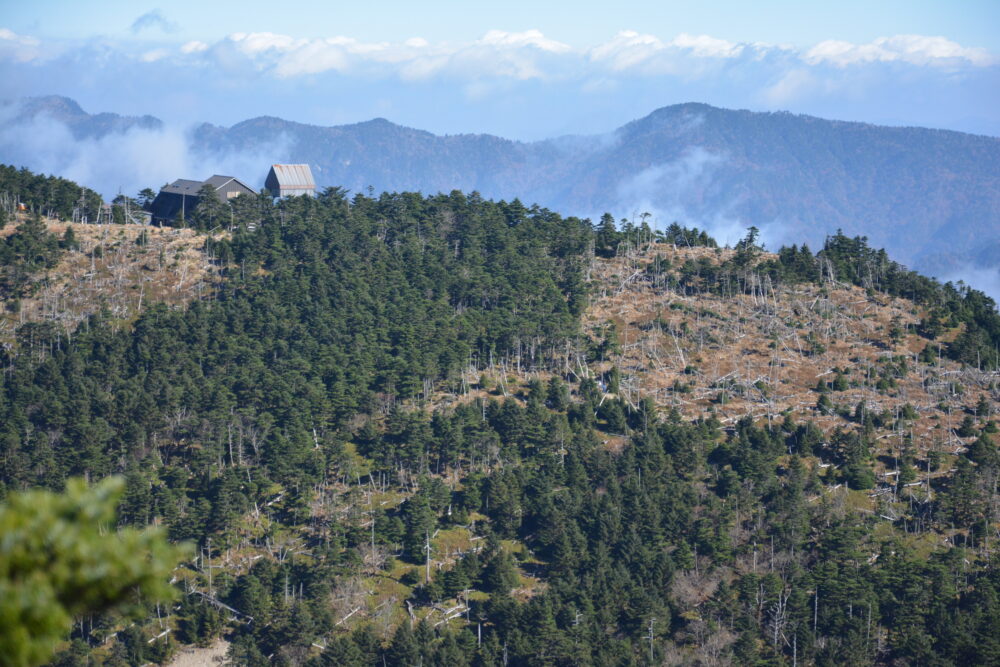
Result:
[[919, 192], [381, 154], [932, 197], [82, 124]]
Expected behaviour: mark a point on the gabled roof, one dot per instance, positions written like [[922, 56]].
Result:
[[218, 181], [292, 176], [183, 186]]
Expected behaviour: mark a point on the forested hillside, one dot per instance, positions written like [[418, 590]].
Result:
[[442, 430]]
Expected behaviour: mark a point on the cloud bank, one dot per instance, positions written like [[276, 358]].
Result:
[[126, 161], [520, 84], [671, 192], [912, 49], [18, 48], [531, 54]]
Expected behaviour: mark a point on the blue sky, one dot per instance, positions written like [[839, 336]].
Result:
[[520, 69], [581, 23]]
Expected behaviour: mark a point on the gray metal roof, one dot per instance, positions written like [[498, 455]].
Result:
[[293, 176]]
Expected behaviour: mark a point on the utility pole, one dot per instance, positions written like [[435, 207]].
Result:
[[427, 559], [650, 638], [815, 611], [209, 554]]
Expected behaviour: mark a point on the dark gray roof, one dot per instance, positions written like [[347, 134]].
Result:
[[183, 186], [217, 181]]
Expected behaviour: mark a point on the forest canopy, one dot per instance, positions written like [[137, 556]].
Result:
[[379, 430]]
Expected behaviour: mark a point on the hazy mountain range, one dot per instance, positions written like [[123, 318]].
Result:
[[932, 197], [82, 124]]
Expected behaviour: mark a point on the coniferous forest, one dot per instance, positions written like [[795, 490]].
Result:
[[384, 435]]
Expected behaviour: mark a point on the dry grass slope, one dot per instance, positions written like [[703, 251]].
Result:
[[123, 268], [763, 354]]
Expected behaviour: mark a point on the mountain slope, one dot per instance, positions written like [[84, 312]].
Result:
[[407, 429], [908, 188]]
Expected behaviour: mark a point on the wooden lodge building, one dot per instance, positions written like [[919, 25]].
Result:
[[178, 199]]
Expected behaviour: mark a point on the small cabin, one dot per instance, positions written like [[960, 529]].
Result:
[[290, 180]]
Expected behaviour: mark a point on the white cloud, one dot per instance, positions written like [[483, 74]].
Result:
[[11, 36], [704, 46], [119, 161], [194, 47], [19, 48], [289, 57], [515, 55], [154, 55], [666, 190], [685, 66], [665, 186], [911, 49], [508, 55], [423, 67], [255, 43], [674, 191], [529, 54], [312, 58], [644, 53], [531, 38], [626, 50], [793, 85], [684, 55]]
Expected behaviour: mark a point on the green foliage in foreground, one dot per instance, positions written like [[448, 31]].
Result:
[[60, 558]]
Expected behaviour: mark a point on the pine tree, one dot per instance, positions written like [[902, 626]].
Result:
[[45, 583]]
